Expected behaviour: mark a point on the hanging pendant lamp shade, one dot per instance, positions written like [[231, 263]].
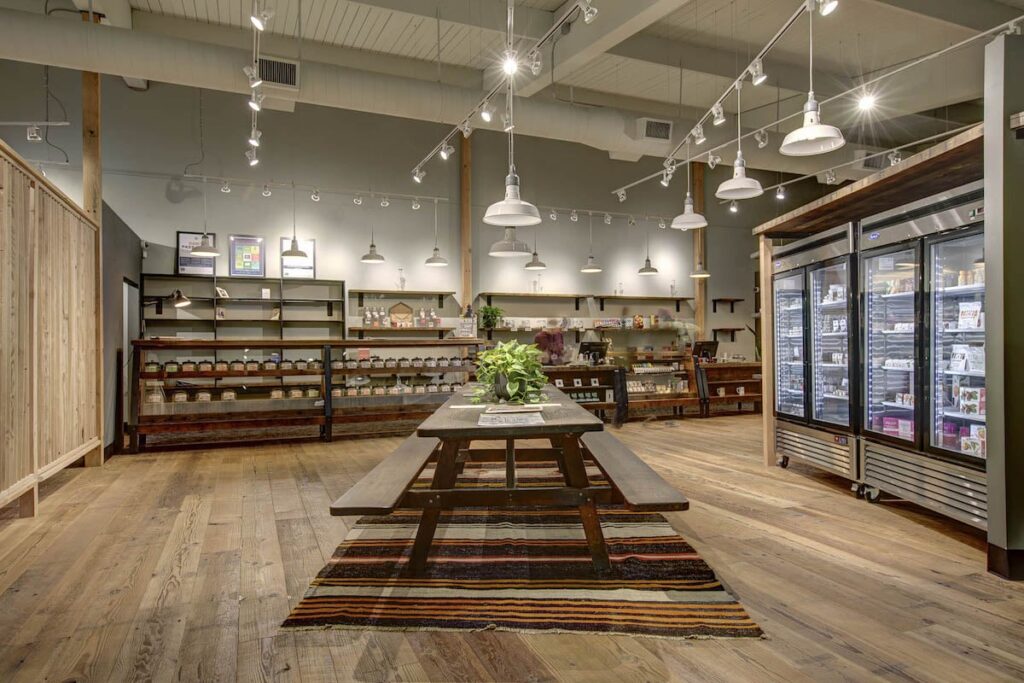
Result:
[[814, 137], [512, 211], [293, 251], [509, 247], [700, 273], [647, 269], [535, 262], [591, 266], [205, 248], [372, 256], [739, 186], [436, 260], [689, 219]]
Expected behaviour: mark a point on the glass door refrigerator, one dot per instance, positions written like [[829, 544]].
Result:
[[815, 352], [923, 295]]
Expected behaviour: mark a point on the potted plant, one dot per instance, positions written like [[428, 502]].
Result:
[[510, 372], [490, 316]]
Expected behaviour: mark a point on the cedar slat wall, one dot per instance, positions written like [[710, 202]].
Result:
[[49, 332]]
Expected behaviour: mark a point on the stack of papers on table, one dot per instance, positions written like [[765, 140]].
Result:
[[510, 419]]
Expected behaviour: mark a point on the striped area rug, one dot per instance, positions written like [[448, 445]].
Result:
[[522, 571]]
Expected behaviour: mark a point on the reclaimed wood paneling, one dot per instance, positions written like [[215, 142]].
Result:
[[16, 258], [49, 331]]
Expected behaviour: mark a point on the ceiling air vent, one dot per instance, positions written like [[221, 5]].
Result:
[[279, 72], [866, 163], [654, 129]]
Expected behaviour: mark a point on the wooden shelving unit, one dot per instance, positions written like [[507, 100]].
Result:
[[729, 377], [325, 408], [611, 402]]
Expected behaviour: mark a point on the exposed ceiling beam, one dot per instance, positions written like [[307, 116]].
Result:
[[584, 42], [977, 15], [721, 62], [485, 14]]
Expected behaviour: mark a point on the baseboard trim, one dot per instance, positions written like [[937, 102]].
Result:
[[1007, 563]]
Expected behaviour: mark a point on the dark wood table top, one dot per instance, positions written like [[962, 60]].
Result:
[[567, 417]]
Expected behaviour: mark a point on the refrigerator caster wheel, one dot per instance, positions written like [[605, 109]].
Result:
[[872, 495], [783, 462], [857, 489]]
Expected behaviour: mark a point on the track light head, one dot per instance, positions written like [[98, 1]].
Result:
[[713, 160], [252, 72], [589, 11], [254, 136], [621, 194], [573, 216], [718, 114], [666, 178], [762, 138], [385, 202], [757, 74], [467, 129], [256, 100], [32, 134], [509, 63], [316, 195], [895, 157], [553, 215], [179, 300], [535, 62], [250, 154], [226, 187], [506, 123], [266, 191], [418, 175], [357, 200], [261, 19], [866, 102], [698, 135], [415, 204], [661, 223], [827, 7], [446, 151], [607, 219], [487, 112], [734, 207], [780, 193]]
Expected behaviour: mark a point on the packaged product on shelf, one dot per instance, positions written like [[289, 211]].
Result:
[[390, 363], [336, 392], [971, 445], [276, 393], [301, 365], [179, 397], [312, 392], [970, 400], [295, 393], [204, 396], [204, 366], [905, 429], [188, 366], [151, 366], [171, 366], [976, 358], [970, 315], [229, 395]]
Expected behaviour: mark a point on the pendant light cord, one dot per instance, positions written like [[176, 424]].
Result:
[[810, 59], [739, 111], [293, 209], [591, 220], [204, 206], [435, 224], [510, 92]]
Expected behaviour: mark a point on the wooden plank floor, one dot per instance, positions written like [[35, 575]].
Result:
[[181, 566]]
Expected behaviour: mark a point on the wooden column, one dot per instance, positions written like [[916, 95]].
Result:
[[764, 287], [466, 217], [700, 254], [92, 203]]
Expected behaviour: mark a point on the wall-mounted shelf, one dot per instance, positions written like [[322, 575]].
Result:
[[725, 300], [361, 332], [731, 330], [601, 298], [361, 294]]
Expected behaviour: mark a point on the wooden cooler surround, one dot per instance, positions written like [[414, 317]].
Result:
[[51, 396]]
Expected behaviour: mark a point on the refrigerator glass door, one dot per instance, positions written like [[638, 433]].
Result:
[[830, 344], [789, 345], [957, 386], [890, 316]]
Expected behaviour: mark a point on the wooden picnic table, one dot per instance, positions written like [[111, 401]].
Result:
[[446, 438]]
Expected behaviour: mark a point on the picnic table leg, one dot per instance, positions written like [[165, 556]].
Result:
[[576, 473], [445, 472], [556, 449]]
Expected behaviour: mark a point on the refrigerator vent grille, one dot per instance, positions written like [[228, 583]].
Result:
[[824, 454], [957, 492]]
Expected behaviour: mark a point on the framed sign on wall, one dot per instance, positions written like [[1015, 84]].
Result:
[[246, 256], [186, 263], [298, 267]]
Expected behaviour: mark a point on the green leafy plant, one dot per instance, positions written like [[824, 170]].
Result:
[[510, 372], [489, 316]]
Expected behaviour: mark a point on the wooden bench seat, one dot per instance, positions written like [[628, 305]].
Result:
[[641, 487], [380, 491]]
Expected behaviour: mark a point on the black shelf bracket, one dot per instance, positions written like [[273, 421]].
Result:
[[577, 302], [440, 300], [330, 309], [359, 334], [679, 303], [732, 334], [488, 299], [359, 300], [600, 302], [714, 304]]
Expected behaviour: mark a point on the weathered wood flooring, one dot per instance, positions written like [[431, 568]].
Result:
[[182, 565]]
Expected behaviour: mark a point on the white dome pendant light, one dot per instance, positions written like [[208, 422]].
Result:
[[372, 257], [293, 250], [436, 260], [700, 273], [647, 268], [591, 266], [509, 246], [511, 211], [205, 248], [535, 263], [739, 186], [814, 137]]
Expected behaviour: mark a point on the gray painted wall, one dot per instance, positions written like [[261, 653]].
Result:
[[122, 258], [157, 133]]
